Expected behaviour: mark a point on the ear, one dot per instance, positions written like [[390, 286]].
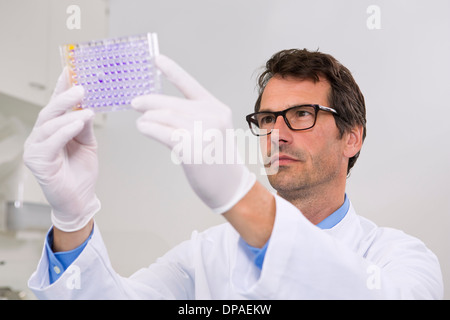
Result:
[[353, 141]]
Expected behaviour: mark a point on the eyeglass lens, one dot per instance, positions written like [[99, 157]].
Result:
[[301, 117]]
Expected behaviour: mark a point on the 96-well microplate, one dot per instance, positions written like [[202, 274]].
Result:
[[113, 71]]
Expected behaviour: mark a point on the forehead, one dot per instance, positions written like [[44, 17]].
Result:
[[281, 93]]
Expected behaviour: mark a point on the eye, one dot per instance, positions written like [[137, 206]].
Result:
[[267, 119], [264, 120], [302, 113]]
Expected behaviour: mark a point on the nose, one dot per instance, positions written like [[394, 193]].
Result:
[[284, 133]]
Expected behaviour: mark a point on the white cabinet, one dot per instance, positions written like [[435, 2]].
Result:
[[30, 34]]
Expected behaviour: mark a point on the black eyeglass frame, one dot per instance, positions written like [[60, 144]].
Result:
[[282, 113]]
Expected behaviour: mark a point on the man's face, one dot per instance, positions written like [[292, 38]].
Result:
[[309, 158]]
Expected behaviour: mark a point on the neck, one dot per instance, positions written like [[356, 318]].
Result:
[[316, 205]]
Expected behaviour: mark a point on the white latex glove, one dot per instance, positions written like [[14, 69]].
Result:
[[61, 152], [219, 185]]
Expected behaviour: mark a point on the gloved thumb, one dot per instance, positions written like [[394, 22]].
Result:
[[86, 136]]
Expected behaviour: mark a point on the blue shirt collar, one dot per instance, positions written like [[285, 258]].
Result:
[[336, 217]]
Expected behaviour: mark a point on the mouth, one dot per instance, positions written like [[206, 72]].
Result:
[[282, 160]]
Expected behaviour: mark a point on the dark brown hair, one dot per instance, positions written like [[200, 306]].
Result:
[[345, 96]]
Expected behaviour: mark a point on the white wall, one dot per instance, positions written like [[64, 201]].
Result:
[[401, 179]]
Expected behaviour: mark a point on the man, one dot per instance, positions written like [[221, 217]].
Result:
[[306, 241]]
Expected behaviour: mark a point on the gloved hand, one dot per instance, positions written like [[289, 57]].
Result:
[[220, 184], [61, 152]]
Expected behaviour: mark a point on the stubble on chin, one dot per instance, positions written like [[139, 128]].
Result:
[[304, 180], [289, 181]]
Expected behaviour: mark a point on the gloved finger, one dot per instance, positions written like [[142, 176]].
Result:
[[61, 104], [48, 128], [158, 101], [158, 131], [190, 88], [62, 84], [167, 117], [86, 136], [56, 142], [37, 155]]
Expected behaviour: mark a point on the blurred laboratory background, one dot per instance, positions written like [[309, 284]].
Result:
[[397, 50]]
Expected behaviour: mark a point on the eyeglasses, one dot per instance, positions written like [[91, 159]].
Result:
[[302, 117]]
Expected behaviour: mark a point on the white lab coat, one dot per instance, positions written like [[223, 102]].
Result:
[[353, 260]]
